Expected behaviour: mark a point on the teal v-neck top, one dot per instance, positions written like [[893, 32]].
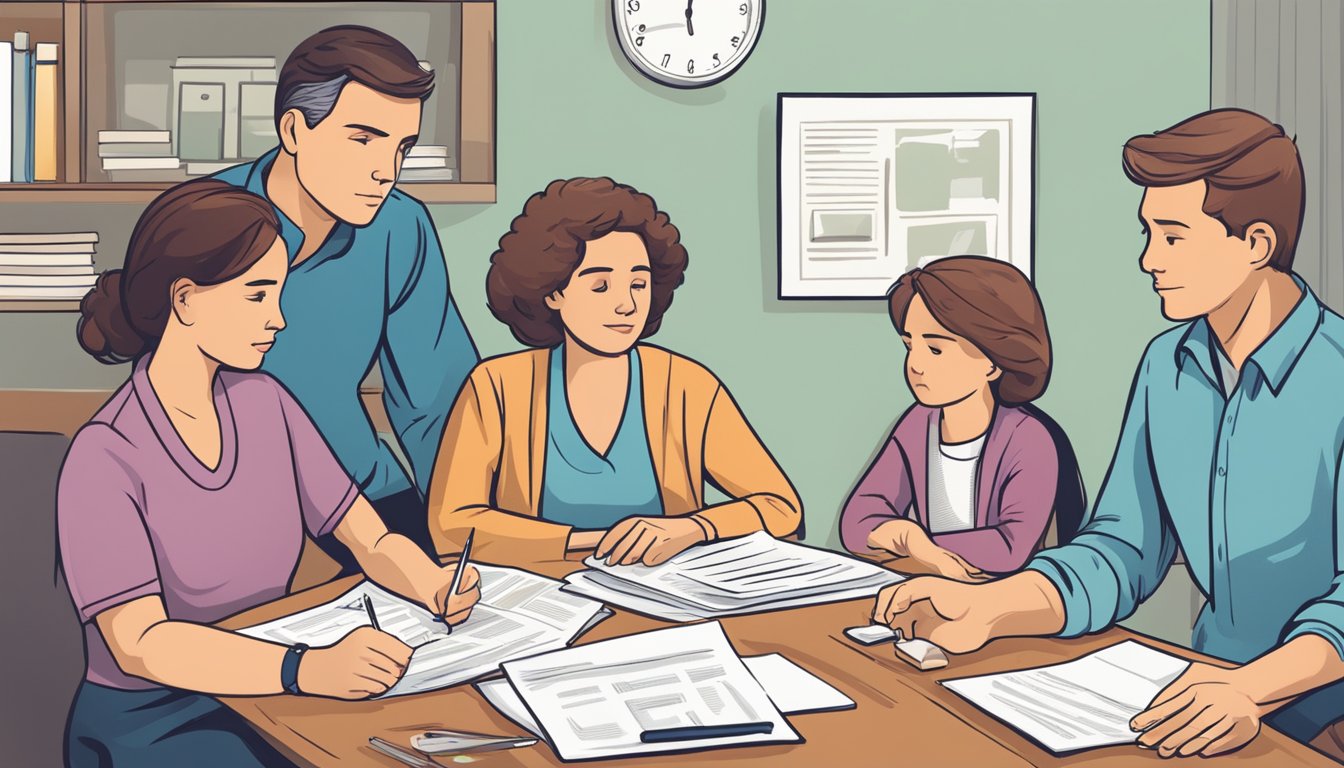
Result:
[[583, 488]]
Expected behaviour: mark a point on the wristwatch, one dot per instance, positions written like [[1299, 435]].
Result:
[[289, 668]]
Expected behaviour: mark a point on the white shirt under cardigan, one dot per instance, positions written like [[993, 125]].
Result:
[[953, 468]]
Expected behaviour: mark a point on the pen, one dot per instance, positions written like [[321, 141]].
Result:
[[373, 617], [457, 576], [694, 732], [401, 755]]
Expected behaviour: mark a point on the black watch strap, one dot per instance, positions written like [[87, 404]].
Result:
[[289, 668]]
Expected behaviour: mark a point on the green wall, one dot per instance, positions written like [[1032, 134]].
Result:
[[820, 381]]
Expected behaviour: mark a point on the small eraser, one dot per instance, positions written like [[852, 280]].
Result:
[[921, 654], [872, 634]]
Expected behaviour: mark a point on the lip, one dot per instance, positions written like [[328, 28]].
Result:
[[1163, 288], [264, 346], [621, 328]]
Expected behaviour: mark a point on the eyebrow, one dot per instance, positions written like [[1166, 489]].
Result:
[[939, 337], [368, 128], [592, 270], [259, 283], [642, 268], [1170, 223]]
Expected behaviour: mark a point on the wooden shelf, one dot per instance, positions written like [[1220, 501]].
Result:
[[141, 192], [38, 306]]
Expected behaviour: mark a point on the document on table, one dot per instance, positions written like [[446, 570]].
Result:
[[594, 701], [519, 614], [1079, 704], [744, 575], [793, 689]]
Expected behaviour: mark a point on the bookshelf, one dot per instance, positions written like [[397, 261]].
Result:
[[114, 52]]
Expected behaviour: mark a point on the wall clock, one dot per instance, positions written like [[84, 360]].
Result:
[[688, 43]]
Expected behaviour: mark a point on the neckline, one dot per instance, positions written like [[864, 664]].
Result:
[[557, 374], [172, 442]]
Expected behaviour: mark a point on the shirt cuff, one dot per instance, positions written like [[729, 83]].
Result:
[[732, 519], [1077, 605], [1310, 626], [335, 518], [89, 611]]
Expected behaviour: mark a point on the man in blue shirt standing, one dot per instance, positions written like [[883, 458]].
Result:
[[1230, 451], [367, 283]]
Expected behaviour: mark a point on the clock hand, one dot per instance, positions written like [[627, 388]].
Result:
[[690, 28]]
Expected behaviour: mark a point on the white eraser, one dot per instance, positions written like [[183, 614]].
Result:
[[871, 634], [921, 654]]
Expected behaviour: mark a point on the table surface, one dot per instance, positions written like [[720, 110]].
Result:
[[903, 716]]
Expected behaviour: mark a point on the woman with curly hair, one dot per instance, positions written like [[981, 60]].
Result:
[[591, 439]]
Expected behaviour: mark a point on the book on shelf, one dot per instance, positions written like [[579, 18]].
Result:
[[140, 163], [420, 163], [8, 280], [135, 150], [6, 111], [42, 269], [227, 72], [21, 118], [145, 175], [45, 238], [134, 137], [45, 111], [425, 174], [206, 168], [428, 150], [44, 292], [45, 260]]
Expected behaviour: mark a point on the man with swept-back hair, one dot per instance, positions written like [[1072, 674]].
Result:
[[367, 283], [1230, 451]]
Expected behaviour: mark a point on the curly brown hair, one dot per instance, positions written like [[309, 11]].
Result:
[[546, 242]]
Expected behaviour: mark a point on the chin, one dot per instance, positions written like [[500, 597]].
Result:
[[245, 361], [1180, 312]]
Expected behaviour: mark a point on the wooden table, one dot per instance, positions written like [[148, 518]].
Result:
[[903, 716]]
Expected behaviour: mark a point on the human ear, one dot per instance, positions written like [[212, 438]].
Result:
[[1262, 240], [556, 300], [995, 372], [183, 291], [289, 131]]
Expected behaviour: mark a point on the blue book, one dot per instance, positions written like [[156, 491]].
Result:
[[21, 127]]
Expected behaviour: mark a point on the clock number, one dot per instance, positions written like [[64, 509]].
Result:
[[717, 63], [667, 59], [742, 9], [631, 6], [690, 67], [639, 41], [736, 41]]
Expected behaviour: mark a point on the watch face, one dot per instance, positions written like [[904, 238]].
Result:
[[688, 43]]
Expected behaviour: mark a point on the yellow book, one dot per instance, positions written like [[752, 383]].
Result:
[[44, 113]]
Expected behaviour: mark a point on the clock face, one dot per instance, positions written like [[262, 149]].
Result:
[[688, 43]]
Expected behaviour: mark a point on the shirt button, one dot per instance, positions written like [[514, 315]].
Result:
[[1222, 472], [1229, 418]]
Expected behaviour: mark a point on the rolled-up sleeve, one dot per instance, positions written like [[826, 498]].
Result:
[[427, 352], [105, 548], [1324, 616], [1121, 555], [326, 492]]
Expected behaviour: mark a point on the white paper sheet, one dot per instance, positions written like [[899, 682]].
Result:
[[793, 689], [594, 701], [1080, 704], [520, 614], [743, 575]]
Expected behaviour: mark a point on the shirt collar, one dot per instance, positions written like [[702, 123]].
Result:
[[337, 242], [1275, 357]]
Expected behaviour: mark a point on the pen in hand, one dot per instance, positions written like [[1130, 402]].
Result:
[[457, 579], [373, 617]]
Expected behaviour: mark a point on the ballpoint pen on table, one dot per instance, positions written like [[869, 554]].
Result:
[[401, 755]]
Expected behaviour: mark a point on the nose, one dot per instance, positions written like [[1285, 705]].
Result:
[[1148, 261], [277, 323], [628, 305], [386, 172]]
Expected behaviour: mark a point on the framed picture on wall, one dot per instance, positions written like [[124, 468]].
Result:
[[871, 185]]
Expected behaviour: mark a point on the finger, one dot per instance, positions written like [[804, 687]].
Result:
[[470, 579], [380, 662], [969, 568], [459, 617], [359, 693], [904, 595], [391, 647], [370, 684], [381, 677], [613, 537], [1240, 735], [1174, 688], [660, 555], [1158, 733], [620, 535], [1198, 724], [1157, 712], [882, 603], [643, 553], [624, 546], [646, 539], [462, 602], [1206, 737]]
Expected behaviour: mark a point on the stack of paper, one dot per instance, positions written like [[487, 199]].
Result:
[[745, 575], [610, 699], [50, 266], [1080, 704], [139, 156], [520, 614], [426, 162]]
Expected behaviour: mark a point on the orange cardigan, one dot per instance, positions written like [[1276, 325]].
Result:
[[490, 465]]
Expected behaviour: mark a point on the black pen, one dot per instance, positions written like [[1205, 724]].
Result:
[[457, 577], [373, 617], [695, 732]]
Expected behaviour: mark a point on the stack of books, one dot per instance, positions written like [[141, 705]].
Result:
[[55, 266], [426, 162], [28, 109], [139, 156]]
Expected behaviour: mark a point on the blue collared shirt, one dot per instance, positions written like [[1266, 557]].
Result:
[[371, 294], [1246, 484]]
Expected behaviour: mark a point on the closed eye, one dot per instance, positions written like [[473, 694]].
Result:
[[639, 286], [361, 139], [600, 287], [1171, 239], [258, 297], [935, 350]]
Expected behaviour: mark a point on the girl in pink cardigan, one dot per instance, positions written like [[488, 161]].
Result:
[[968, 480]]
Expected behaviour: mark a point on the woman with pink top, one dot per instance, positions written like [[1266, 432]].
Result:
[[185, 499], [968, 480]]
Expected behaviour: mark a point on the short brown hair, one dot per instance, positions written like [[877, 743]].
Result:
[[1251, 170], [993, 306], [546, 243], [360, 54], [206, 231]]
